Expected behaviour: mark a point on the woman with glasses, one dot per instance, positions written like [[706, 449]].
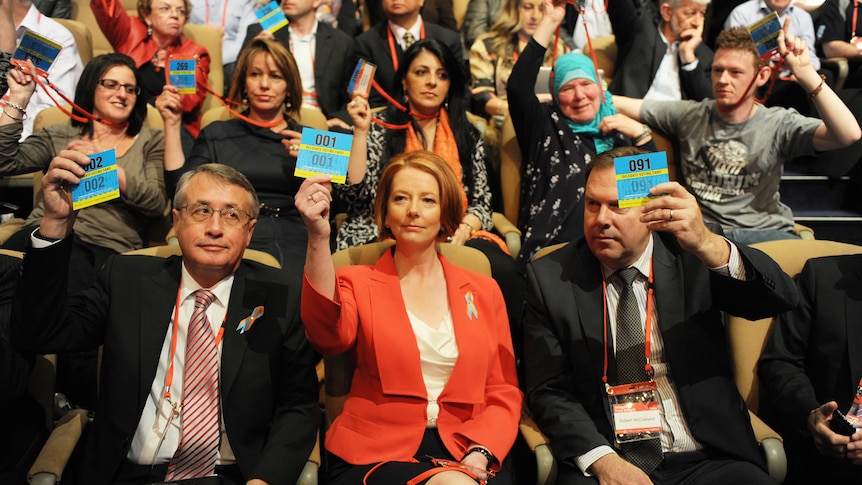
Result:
[[263, 146], [109, 90], [151, 39]]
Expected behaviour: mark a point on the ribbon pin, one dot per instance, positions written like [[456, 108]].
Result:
[[246, 323], [471, 308]]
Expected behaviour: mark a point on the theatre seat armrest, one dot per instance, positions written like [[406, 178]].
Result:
[[55, 454], [511, 234]]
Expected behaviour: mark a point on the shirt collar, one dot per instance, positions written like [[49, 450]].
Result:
[[398, 31], [30, 21], [299, 37], [220, 289], [642, 263]]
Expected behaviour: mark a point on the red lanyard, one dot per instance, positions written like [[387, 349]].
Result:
[[647, 326], [592, 51], [169, 376], [226, 102], [392, 50], [223, 14], [81, 119]]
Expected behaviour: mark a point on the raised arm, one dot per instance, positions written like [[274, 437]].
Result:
[[360, 114]]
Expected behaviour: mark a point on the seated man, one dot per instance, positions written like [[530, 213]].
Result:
[[661, 265], [324, 56], [733, 149], [838, 35], [660, 58], [385, 42], [206, 369], [811, 366]]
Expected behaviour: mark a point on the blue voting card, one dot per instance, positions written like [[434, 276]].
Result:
[[181, 74], [271, 17], [100, 183], [764, 32], [39, 49], [323, 152], [637, 174]]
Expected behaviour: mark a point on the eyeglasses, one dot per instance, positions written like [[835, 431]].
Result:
[[164, 11], [230, 216], [113, 85]]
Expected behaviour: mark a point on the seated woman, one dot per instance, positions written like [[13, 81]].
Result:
[[264, 148], [558, 140], [450, 394], [151, 39], [109, 89], [434, 85]]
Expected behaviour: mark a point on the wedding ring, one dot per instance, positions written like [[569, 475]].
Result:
[[311, 197], [352, 104], [294, 148], [671, 215]]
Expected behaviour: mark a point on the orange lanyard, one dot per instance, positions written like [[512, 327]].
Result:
[[169, 376], [223, 14], [392, 50], [647, 326]]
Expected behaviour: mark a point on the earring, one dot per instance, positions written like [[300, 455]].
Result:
[[149, 30], [446, 103], [287, 103]]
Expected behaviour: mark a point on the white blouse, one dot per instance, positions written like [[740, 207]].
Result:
[[438, 352]]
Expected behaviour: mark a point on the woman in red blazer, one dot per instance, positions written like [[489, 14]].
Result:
[[435, 372]]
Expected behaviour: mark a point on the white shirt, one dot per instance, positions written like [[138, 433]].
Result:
[[665, 85], [235, 22], [398, 32], [438, 352], [303, 49], [64, 73], [155, 420], [676, 437], [598, 23]]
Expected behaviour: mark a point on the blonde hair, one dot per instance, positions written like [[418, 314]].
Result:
[[504, 32]]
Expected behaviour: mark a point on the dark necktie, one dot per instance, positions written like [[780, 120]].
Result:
[[196, 455], [631, 359]]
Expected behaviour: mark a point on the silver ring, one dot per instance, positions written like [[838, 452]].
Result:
[[352, 104], [294, 148], [671, 215]]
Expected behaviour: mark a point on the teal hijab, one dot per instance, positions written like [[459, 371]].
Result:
[[578, 66]]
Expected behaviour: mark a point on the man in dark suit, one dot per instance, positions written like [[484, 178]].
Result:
[[687, 275], [384, 43], [811, 366], [262, 390], [664, 57], [321, 52]]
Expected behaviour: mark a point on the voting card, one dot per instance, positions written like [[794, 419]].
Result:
[[637, 174], [323, 152], [100, 183], [271, 17], [764, 32], [37, 48], [181, 74], [360, 81]]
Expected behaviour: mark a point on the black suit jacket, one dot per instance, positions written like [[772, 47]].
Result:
[[814, 353], [334, 62], [640, 50], [564, 344], [373, 45], [268, 386]]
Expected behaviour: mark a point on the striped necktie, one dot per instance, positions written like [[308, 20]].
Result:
[[196, 455]]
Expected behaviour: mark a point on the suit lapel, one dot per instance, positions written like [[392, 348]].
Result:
[[157, 304], [469, 327], [587, 288], [233, 343], [321, 59]]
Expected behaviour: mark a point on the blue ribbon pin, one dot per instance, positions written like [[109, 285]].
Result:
[[471, 308], [246, 323]]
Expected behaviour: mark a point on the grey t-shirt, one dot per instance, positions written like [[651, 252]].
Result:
[[734, 169]]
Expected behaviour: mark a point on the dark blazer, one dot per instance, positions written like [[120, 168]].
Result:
[[373, 45], [334, 62], [814, 354], [640, 50], [268, 386], [564, 344]]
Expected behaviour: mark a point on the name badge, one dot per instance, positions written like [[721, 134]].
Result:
[[271, 17], [360, 81], [764, 32], [637, 174], [636, 411], [324, 152], [41, 50], [181, 74], [100, 183]]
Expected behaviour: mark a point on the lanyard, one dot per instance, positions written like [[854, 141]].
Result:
[[223, 14], [81, 119], [169, 375], [647, 327], [392, 50]]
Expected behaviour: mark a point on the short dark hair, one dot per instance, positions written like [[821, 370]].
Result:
[[451, 204], [85, 92], [224, 173], [606, 159]]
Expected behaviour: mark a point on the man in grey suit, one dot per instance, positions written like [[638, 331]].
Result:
[[686, 275], [262, 415]]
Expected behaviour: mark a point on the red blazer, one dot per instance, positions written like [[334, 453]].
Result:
[[129, 36], [384, 416]]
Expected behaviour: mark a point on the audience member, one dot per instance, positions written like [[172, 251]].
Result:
[[558, 140], [597, 20], [247, 410], [151, 39], [108, 90], [385, 42], [838, 36], [268, 78], [323, 54], [810, 368], [58, 9], [429, 75], [664, 58], [64, 72], [437, 12], [733, 149], [481, 15], [659, 276], [453, 393], [231, 20]]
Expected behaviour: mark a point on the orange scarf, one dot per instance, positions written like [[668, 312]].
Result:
[[444, 145]]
